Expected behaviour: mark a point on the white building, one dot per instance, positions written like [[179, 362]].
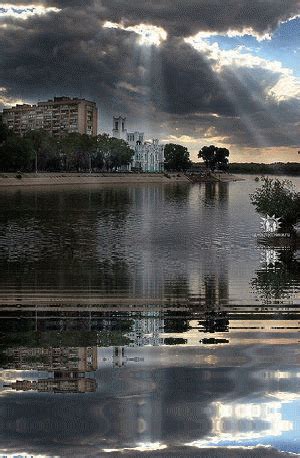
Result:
[[120, 131], [119, 127], [149, 156]]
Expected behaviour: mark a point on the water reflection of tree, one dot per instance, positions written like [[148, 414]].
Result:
[[215, 321], [177, 192], [216, 290], [177, 288], [47, 235], [274, 283], [216, 193]]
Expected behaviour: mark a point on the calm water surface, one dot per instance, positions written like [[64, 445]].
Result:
[[146, 320]]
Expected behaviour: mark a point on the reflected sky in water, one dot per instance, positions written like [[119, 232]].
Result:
[[146, 320]]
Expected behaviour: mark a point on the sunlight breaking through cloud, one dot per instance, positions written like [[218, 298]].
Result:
[[6, 100], [25, 11], [149, 35], [287, 85]]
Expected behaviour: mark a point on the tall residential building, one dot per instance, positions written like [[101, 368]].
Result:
[[55, 385], [58, 116], [81, 359]]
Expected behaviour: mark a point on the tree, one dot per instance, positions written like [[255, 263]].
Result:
[[77, 150], [276, 197], [16, 153], [4, 132], [120, 153], [113, 152], [45, 148], [177, 157], [214, 157]]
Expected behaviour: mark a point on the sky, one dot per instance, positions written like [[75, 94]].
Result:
[[194, 72]]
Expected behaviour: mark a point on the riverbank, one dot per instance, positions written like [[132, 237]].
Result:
[[50, 179]]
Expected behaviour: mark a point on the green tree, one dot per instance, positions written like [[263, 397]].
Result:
[[214, 157], [120, 153], [4, 132], [177, 157], [16, 153], [78, 150], [45, 149], [277, 197], [113, 152]]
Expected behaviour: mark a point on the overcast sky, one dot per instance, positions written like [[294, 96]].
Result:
[[194, 72]]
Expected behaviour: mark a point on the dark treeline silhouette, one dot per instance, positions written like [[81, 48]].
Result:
[[277, 168], [37, 150]]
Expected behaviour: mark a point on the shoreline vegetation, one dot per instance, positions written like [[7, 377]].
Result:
[[276, 168]]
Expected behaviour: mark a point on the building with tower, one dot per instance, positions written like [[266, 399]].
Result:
[[148, 156], [119, 127]]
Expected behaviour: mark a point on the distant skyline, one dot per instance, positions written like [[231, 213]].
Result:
[[194, 72]]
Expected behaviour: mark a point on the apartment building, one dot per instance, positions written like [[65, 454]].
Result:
[[58, 116]]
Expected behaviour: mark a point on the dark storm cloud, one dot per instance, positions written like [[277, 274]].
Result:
[[189, 16], [71, 53]]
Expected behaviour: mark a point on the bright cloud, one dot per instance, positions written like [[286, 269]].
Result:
[[149, 35], [6, 100], [287, 86], [25, 11], [231, 33]]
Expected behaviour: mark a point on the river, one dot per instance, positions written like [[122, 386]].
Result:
[[147, 320]]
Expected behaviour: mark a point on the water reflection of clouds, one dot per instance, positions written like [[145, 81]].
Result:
[[164, 397]]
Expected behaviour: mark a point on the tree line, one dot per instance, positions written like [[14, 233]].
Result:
[[177, 157], [277, 168], [37, 150]]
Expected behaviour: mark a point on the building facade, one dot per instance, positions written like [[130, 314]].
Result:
[[148, 156], [120, 131], [59, 116]]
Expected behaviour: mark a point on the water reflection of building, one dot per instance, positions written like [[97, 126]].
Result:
[[67, 367], [119, 357], [55, 385], [81, 359]]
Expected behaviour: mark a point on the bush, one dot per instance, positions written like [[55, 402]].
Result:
[[276, 197]]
